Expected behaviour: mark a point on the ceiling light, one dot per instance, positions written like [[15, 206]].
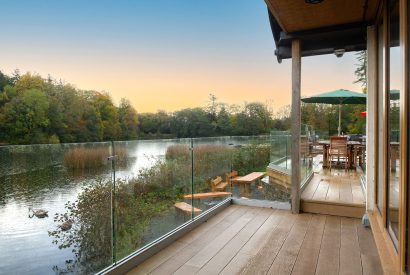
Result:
[[339, 52]]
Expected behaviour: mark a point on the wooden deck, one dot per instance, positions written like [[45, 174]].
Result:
[[249, 240], [336, 193]]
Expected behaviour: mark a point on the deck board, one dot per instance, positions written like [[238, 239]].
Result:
[[309, 252], [177, 260], [288, 253], [225, 255], [255, 244], [250, 240], [350, 261], [335, 186], [220, 240], [328, 262]]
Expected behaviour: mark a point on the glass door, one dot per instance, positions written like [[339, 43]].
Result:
[[394, 87]]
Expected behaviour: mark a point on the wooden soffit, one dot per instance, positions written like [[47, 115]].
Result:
[[297, 15]]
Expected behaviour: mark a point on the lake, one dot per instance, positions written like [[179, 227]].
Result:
[[35, 176]]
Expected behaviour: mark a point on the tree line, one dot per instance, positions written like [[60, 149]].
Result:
[[35, 110]]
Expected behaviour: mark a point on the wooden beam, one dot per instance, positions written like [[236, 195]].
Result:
[[295, 118]]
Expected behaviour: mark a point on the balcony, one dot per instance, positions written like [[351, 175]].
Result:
[[129, 207], [250, 240]]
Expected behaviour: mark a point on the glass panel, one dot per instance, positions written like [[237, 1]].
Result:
[[152, 178], [395, 77], [212, 170], [280, 149], [71, 183], [251, 157], [306, 146], [380, 57]]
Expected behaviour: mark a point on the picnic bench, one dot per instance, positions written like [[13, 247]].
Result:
[[218, 185], [231, 176], [185, 207], [208, 195], [249, 178]]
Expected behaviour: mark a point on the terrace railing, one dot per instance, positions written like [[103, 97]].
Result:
[[109, 200]]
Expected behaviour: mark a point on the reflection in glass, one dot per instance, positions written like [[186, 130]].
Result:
[[151, 178], [395, 73], [380, 85]]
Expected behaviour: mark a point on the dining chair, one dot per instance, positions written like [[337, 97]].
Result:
[[338, 150]]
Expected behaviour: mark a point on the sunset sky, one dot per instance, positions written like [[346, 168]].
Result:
[[161, 54]]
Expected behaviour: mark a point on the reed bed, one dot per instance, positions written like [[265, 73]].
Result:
[[86, 158], [91, 158]]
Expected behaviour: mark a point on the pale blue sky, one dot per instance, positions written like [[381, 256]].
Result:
[[160, 54]]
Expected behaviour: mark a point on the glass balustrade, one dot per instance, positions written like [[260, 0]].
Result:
[[107, 200]]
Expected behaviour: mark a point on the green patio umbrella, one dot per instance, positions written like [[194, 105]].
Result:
[[338, 97]]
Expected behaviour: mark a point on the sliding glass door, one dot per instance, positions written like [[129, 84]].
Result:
[[395, 81]]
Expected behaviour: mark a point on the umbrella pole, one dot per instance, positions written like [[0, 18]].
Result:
[[340, 120]]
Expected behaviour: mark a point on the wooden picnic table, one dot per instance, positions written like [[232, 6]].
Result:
[[326, 146], [249, 178]]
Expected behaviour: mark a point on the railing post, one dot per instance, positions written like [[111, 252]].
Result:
[[112, 159], [192, 177], [295, 118]]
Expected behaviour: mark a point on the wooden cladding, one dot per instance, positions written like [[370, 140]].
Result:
[[297, 15]]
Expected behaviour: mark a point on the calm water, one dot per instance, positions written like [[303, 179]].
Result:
[[35, 176]]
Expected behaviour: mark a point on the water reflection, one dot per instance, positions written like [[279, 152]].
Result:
[[37, 177]]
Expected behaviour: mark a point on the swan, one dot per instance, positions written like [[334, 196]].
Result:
[[65, 226], [39, 213]]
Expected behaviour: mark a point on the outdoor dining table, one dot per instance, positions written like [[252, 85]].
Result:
[[326, 145]]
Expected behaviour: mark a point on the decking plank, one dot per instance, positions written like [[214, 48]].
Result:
[[357, 194], [350, 263], [225, 255], [345, 191], [333, 192], [261, 262], [328, 262], [287, 256], [162, 256], [368, 251], [309, 252], [221, 238], [321, 191], [179, 259], [311, 188], [255, 244]]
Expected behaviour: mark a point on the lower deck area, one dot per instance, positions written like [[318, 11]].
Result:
[[252, 240], [334, 192]]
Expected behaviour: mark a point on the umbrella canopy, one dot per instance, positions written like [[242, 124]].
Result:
[[339, 97]]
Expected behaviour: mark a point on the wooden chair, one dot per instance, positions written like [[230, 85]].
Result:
[[305, 150], [339, 150]]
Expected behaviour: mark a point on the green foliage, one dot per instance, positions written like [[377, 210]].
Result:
[[361, 69], [324, 118], [74, 115], [24, 118], [128, 120]]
